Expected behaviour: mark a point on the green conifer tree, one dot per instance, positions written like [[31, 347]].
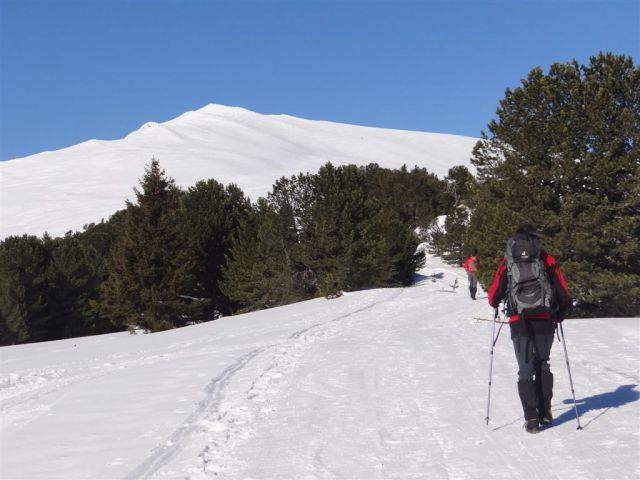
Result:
[[259, 272], [150, 270], [212, 216], [320, 234], [23, 290], [73, 276], [352, 240], [563, 154]]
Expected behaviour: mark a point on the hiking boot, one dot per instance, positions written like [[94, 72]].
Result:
[[546, 419], [529, 398], [544, 383], [532, 426]]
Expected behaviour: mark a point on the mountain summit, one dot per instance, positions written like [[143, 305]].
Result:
[[63, 190]]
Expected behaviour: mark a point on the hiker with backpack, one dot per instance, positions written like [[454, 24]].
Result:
[[470, 265], [536, 299]]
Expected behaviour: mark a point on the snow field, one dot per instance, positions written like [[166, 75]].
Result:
[[66, 189], [386, 383]]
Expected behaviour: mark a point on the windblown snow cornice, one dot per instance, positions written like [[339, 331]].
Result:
[[65, 189]]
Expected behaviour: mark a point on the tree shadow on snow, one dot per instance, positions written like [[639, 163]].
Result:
[[622, 395], [419, 278]]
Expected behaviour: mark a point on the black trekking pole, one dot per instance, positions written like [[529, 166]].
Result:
[[493, 344], [575, 406]]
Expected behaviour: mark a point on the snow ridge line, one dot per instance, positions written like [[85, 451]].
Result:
[[210, 411]]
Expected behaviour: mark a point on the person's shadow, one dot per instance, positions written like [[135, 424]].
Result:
[[622, 395]]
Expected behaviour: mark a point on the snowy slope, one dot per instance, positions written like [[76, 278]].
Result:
[[63, 190], [387, 383]]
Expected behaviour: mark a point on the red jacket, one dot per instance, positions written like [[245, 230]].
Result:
[[498, 289], [470, 264]]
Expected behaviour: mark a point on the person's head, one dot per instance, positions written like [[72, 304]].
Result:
[[527, 229]]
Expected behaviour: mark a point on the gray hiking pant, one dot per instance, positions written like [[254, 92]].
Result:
[[473, 283], [535, 380], [532, 353]]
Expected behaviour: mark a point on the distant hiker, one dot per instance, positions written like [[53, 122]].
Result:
[[537, 297], [470, 265]]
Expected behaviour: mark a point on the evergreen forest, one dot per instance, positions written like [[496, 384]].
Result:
[[562, 153]]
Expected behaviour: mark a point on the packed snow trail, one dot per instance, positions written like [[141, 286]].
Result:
[[386, 383]]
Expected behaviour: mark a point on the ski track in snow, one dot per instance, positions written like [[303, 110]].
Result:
[[19, 391], [387, 383], [222, 426]]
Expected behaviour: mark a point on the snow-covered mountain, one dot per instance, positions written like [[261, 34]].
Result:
[[377, 384], [66, 189]]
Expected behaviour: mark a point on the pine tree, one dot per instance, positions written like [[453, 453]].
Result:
[[452, 243], [460, 183], [150, 270], [97, 243], [398, 258], [319, 234], [23, 290], [417, 196], [351, 240], [563, 154], [212, 216], [333, 245], [73, 277], [259, 272]]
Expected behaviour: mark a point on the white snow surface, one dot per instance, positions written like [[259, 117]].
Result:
[[376, 384], [66, 189]]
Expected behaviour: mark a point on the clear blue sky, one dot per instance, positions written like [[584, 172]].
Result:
[[75, 70]]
